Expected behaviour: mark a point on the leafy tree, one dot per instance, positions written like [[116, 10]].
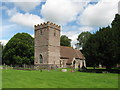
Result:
[[116, 37], [104, 46], [65, 41], [105, 52], [19, 50], [90, 51], [82, 39]]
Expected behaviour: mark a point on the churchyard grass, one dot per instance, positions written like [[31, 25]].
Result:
[[57, 79]]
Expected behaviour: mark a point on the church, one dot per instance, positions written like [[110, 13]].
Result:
[[48, 50]]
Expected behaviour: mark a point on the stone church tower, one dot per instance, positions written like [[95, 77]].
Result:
[[47, 43]]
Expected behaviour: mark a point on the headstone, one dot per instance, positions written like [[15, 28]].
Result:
[[100, 66], [64, 70], [24, 66], [1, 67]]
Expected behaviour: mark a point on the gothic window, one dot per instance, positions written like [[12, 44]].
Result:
[[74, 62], [41, 32], [54, 33], [60, 63], [41, 59]]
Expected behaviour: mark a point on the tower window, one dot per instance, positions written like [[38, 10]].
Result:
[[41, 32], [41, 59], [54, 33], [60, 63]]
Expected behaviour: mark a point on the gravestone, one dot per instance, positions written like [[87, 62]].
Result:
[[64, 70]]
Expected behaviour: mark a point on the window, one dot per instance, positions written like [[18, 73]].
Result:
[[41, 59], [74, 62], [60, 63], [54, 33], [41, 32]]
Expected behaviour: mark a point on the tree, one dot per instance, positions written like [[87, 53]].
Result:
[[116, 37], [82, 39], [105, 52], [104, 46], [90, 51], [19, 50], [65, 41]]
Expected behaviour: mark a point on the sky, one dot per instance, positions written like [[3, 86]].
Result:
[[74, 16]]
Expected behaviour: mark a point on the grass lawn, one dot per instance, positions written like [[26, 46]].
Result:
[[57, 79]]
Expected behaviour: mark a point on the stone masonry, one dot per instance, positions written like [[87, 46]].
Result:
[[47, 43]]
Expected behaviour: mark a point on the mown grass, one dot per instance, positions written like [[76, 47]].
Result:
[[57, 79]]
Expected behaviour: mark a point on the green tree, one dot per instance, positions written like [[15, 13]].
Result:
[[19, 50], [82, 39], [90, 51], [104, 46], [105, 52], [65, 41], [116, 38]]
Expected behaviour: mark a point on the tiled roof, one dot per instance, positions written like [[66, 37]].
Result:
[[70, 53]]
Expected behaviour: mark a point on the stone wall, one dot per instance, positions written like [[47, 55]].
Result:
[[47, 43]]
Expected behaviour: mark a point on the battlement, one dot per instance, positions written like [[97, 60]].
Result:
[[46, 24]]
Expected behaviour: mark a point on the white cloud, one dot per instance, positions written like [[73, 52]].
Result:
[[86, 28], [61, 11], [32, 35], [11, 12], [22, 0], [26, 19], [23, 19], [3, 7], [3, 28], [6, 27], [73, 31], [71, 35], [4, 42], [100, 14], [119, 7], [25, 5]]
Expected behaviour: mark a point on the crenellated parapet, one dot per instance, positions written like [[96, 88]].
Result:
[[46, 24]]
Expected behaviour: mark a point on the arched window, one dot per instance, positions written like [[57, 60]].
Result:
[[41, 32], [60, 63], [54, 33], [74, 62], [41, 59]]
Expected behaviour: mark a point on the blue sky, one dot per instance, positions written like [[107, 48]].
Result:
[[74, 16]]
